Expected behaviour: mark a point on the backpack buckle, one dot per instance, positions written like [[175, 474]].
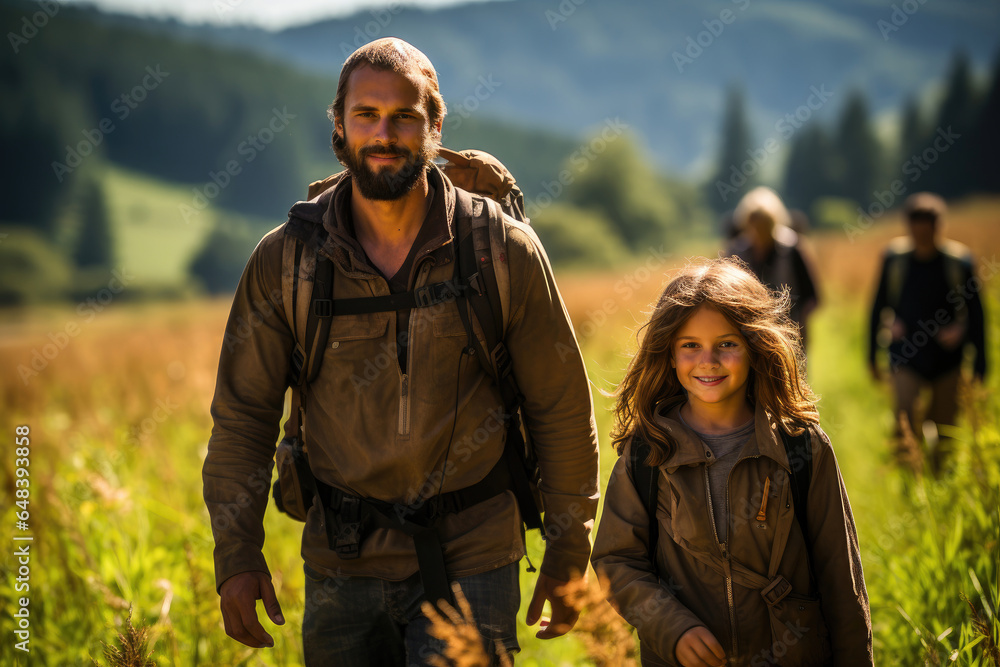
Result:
[[347, 536], [323, 307], [502, 361], [776, 591], [424, 296]]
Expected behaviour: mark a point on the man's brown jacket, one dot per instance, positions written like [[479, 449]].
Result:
[[376, 430], [817, 615]]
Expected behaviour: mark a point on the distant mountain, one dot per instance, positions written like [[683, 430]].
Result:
[[662, 67]]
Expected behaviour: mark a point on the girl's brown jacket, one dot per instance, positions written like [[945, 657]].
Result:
[[757, 592]]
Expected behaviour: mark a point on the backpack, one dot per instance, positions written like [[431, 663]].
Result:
[[483, 283], [644, 477]]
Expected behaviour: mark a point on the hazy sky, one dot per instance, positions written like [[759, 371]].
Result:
[[263, 13]]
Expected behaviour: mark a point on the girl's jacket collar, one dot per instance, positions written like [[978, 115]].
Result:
[[690, 450]]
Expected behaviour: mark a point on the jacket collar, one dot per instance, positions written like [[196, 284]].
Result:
[[691, 450], [331, 209]]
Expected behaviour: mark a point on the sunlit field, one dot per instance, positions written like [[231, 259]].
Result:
[[116, 399]]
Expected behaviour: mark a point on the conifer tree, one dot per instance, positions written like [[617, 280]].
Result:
[[95, 244], [811, 168], [736, 173], [949, 170], [859, 150], [912, 133], [986, 165]]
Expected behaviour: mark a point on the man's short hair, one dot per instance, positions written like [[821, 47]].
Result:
[[924, 206], [394, 55]]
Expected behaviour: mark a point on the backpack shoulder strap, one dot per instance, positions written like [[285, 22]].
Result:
[[800, 458], [476, 220], [307, 290], [957, 263], [897, 264], [474, 217], [644, 478]]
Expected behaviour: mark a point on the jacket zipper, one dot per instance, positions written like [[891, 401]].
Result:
[[725, 555], [404, 407], [404, 381]]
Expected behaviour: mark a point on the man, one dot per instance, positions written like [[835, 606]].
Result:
[[401, 411], [771, 249], [927, 308]]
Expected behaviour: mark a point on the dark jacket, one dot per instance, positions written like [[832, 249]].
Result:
[[925, 296]]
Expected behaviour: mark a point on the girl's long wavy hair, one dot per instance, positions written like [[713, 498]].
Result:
[[777, 363]]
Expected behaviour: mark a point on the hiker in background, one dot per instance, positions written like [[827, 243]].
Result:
[[405, 425], [727, 536], [927, 311], [773, 251]]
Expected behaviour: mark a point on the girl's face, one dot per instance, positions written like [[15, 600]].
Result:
[[712, 360]]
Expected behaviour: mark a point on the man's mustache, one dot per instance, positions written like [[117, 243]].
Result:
[[385, 150]]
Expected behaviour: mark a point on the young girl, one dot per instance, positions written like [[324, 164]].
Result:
[[717, 389]]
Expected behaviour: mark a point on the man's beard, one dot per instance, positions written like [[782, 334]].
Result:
[[385, 184]]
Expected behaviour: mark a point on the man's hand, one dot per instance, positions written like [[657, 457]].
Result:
[[563, 615], [239, 594], [897, 329], [951, 336], [698, 647]]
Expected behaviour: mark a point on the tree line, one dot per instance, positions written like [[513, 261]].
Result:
[[950, 147]]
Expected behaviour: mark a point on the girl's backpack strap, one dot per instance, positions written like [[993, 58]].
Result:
[[644, 477], [798, 448]]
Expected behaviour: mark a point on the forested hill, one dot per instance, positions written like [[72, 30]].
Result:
[[662, 66], [85, 89]]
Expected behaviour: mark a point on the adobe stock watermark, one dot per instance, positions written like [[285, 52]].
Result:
[[653, 606], [793, 634], [561, 14], [258, 485], [88, 309], [371, 30], [899, 17], [31, 25], [484, 89], [580, 160], [121, 108], [624, 288], [463, 451], [143, 431], [248, 150], [387, 358], [914, 167], [704, 39], [241, 329], [785, 127]]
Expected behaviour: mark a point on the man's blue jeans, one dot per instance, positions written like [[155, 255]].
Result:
[[369, 622]]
